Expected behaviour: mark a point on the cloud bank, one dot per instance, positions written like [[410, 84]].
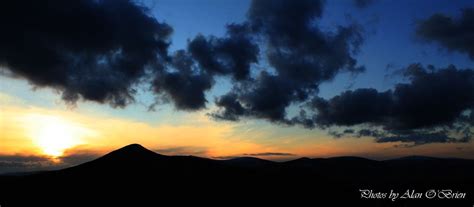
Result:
[[454, 34], [94, 50], [277, 57]]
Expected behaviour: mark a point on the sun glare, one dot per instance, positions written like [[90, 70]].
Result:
[[53, 135]]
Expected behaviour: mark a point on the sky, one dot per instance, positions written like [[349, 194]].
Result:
[[277, 80]]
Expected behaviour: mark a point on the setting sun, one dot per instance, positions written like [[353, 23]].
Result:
[[53, 135]]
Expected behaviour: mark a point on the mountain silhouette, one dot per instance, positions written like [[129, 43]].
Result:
[[138, 175]]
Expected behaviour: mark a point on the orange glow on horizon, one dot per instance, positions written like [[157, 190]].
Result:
[[28, 130]]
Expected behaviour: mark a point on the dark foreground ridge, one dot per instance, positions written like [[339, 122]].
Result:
[[136, 174]]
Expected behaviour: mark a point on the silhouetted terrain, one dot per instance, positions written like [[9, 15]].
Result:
[[135, 174]]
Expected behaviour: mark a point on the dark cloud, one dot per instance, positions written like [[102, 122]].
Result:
[[369, 133], [22, 158], [26, 163], [226, 157], [363, 3], [94, 50], [196, 151], [267, 97], [455, 34], [343, 133], [415, 139], [432, 98], [78, 157], [233, 109], [23, 163], [357, 134], [102, 50], [186, 90], [300, 54], [192, 71], [433, 104], [353, 107], [232, 54], [262, 154], [186, 85], [337, 134], [408, 138], [468, 117]]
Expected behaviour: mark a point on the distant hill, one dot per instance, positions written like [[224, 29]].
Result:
[[136, 174]]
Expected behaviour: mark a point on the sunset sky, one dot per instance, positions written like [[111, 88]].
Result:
[[376, 79]]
